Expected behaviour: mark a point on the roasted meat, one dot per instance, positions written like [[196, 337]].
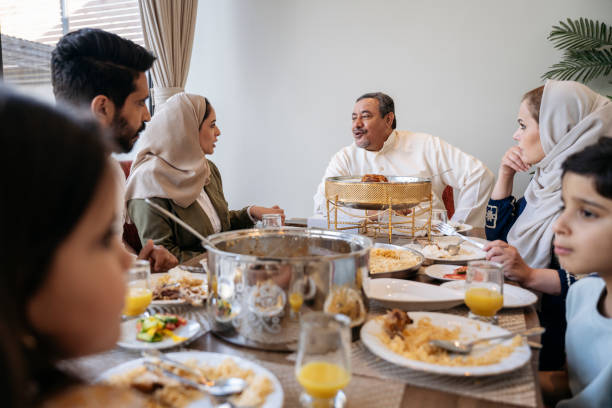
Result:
[[395, 321], [374, 178]]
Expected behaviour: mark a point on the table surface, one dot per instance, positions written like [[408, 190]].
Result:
[[413, 396]]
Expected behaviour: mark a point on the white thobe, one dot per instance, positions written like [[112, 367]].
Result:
[[420, 155]]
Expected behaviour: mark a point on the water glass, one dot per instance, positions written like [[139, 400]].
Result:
[[438, 216], [323, 365], [272, 221], [484, 290], [139, 293]]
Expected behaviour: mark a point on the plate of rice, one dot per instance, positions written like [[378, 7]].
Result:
[[263, 389], [392, 261], [411, 347]]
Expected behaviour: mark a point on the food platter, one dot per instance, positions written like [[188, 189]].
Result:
[[183, 280], [402, 192], [469, 329], [439, 271], [404, 273], [128, 340], [273, 400], [468, 252]]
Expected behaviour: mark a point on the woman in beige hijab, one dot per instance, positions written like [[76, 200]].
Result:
[[554, 122], [171, 169]]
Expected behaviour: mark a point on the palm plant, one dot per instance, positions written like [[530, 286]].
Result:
[[588, 50]]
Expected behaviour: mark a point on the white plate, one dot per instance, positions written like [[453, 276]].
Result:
[[400, 273], [514, 296], [411, 295], [469, 330], [420, 223], [474, 254], [156, 276], [437, 271], [273, 400], [128, 338]]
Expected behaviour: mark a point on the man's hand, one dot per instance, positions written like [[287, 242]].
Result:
[[515, 267], [159, 257]]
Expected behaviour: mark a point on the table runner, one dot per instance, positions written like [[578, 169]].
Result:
[[374, 380]]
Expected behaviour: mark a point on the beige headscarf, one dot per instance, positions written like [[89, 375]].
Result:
[[572, 117], [171, 163]]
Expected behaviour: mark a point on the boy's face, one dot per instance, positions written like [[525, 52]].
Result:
[[583, 232]]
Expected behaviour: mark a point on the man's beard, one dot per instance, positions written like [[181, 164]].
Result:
[[123, 134]]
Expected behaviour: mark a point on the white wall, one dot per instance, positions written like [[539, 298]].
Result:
[[283, 76]]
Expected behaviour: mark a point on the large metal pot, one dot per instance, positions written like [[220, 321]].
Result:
[[260, 280]]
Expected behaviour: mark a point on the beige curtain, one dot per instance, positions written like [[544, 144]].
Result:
[[168, 27]]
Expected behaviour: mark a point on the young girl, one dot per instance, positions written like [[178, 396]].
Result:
[[583, 243], [62, 279]]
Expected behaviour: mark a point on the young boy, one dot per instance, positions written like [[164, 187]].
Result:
[[583, 243]]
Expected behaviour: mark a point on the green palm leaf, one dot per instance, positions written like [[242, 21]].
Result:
[[582, 65], [582, 34]]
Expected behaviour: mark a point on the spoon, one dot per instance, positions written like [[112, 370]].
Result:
[[220, 388], [453, 249], [465, 347], [205, 241]]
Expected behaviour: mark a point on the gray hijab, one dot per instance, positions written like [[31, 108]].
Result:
[[572, 117]]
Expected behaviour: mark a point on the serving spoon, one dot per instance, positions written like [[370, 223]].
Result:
[[205, 241], [218, 388], [465, 347]]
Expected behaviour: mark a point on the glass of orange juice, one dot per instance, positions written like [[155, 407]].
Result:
[[484, 290], [296, 293], [323, 365], [139, 293]]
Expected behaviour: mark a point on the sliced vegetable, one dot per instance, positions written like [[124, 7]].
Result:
[[154, 328], [454, 276]]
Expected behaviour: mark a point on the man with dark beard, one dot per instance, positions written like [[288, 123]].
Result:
[[105, 74]]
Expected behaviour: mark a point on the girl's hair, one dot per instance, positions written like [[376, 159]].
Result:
[[534, 100], [52, 165], [594, 161]]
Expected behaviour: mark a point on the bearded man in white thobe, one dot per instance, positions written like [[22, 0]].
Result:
[[381, 149]]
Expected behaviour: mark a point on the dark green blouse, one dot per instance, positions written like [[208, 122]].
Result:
[[164, 231]]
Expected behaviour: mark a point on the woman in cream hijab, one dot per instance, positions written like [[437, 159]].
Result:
[[555, 121], [171, 169]]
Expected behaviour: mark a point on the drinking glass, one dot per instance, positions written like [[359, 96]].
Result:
[[484, 290], [323, 365], [272, 221], [437, 217], [139, 293], [297, 288]]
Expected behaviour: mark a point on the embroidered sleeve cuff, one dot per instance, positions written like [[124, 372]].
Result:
[[494, 207]]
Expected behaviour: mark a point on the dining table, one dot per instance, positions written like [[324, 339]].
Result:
[[375, 382]]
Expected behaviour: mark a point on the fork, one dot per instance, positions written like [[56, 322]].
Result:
[[448, 229]]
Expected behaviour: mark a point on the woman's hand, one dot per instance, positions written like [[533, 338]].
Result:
[[512, 163], [258, 212], [515, 267]]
